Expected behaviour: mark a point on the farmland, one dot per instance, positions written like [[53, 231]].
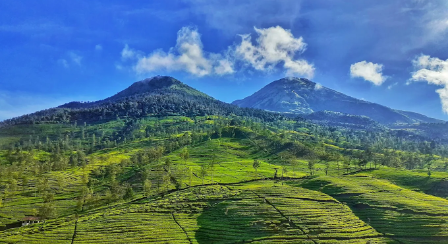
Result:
[[213, 180]]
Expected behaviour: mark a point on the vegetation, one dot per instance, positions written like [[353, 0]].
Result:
[[171, 175]]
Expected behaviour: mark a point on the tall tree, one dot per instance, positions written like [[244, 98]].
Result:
[[203, 172], [256, 165], [184, 154], [147, 184]]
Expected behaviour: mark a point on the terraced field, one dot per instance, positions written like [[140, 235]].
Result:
[[236, 203], [254, 212], [399, 213]]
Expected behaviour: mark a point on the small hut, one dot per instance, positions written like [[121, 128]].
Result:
[[28, 220]]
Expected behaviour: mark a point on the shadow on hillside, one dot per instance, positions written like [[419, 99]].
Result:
[[404, 226], [226, 222], [396, 221]]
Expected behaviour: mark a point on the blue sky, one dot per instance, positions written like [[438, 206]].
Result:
[[391, 52]]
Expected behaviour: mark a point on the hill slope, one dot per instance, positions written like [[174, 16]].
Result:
[[301, 96], [160, 96]]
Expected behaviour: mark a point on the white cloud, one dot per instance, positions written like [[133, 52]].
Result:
[[434, 71], [392, 85], [98, 47], [72, 59], [368, 71], [274, 45], [128, 53], [75, 58], [318, 86], [188, 55]]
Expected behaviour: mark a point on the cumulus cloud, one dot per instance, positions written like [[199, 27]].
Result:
[[188, 55], [434, 71], [274, 45], [368, 71]]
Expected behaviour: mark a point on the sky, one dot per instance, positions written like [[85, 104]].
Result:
[[394, 52]]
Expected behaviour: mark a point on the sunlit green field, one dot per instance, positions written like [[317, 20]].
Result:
[[231, 202]]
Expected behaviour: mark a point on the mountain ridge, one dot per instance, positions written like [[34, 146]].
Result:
[[157, 96], [302, 96]]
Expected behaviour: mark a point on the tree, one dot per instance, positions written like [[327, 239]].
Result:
[[311, 165], [167, 165], [184, 154], [190, 175], [93, 140], [60, 181], [147, 187], [429, 160], [47, 210], [284, 170], [211, 167], [327, 167], [73, 160], [256, 165], [367, 156], [84, 197], [81, 158], [42, 185], [166, 180], [203, 172], [13, 185], [429, 167], [347, 165], [129, 193]]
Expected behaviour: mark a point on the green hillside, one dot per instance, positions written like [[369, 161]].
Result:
[[130, 172]]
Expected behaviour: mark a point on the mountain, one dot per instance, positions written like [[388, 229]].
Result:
[[331, 118], [302, 96], [157, 96], [157, 85]]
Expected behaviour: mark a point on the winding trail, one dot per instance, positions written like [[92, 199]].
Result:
[[284, 216], [74, 232], [180, 226]]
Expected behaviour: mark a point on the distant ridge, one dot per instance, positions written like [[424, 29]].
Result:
[[302, 96]]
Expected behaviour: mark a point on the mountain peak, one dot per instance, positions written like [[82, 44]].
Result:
[[294, 80], [302, 96], [157, 85], [294, 83], [147, 85], [158, 81]]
